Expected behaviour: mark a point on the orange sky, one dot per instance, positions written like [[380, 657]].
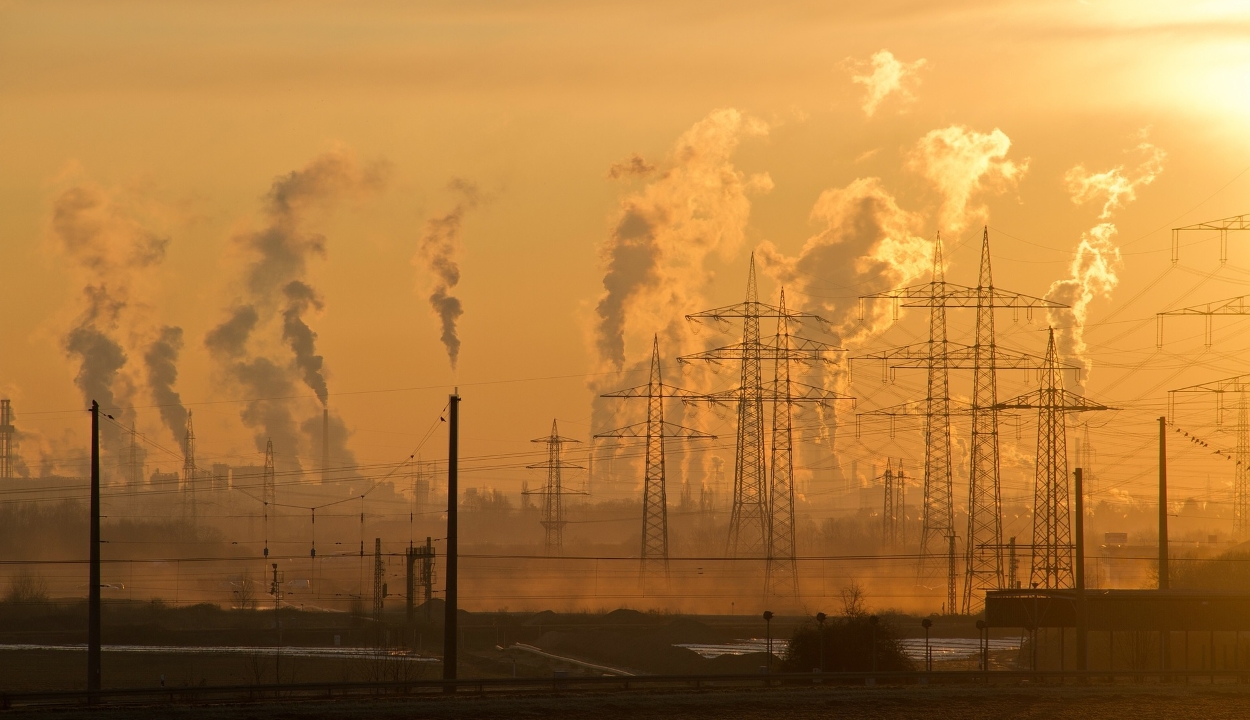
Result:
[[179, 117]]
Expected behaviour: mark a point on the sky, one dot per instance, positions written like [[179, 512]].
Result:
[[371, 204]]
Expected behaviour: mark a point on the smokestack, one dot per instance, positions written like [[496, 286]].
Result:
[[325, 444]]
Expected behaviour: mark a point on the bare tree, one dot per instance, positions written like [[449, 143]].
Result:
[[245, 594], [854, 600], [27, 588]]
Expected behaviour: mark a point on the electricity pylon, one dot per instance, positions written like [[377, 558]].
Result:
[[1232, 306], [1052, 517], [553, 521], [762, 517], [653, 557], [983, 542], [1238, 385], [188, 473], [1222, 226], [268, 492], [7, 434], [893, 519]]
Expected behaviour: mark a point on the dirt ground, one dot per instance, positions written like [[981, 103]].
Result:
[[1139, 702]]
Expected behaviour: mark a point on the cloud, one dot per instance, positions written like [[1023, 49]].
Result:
[[962, 164], [653, 257], [438, 251], [884, 75]]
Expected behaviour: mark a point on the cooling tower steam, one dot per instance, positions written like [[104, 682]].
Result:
[[438, 252], [1095, 264], [963, 164], [654, 254]]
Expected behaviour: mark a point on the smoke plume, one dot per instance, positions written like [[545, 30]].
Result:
[[1096, 261], [884, 75], [301, 339], [438, 251], [963, 163], [110, 251], [277, 295], [161, 359], [654, 255]]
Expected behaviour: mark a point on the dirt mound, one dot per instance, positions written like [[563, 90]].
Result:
[[546, 617], [625, 616]]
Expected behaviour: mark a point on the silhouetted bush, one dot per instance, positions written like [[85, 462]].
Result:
[[848, 645]]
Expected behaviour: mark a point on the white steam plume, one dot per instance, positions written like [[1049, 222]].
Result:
[[654, 255], [867, 244], [695, 202], [1096, 261], [439, 252], [885, 75], [963, 163]]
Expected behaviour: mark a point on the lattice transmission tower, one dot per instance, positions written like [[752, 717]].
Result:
[[1052, 516], [188, 474], [1238, 385], [553, 492], [653, 555], [768, 506], [893, 511], [7, 433], [983, 542]]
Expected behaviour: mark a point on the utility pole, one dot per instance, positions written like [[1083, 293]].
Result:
[[93, 582], [654, 552], [453, 525], [424, 577], [1082, 620], [1163, 504], [553, 521], [379, 588], [275, 588]]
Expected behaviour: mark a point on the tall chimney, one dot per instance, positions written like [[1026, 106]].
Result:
[[325, 444]]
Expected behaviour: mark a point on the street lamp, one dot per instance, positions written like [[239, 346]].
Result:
[[768, 635], [872, 626], [928, 654], [820, 620]]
